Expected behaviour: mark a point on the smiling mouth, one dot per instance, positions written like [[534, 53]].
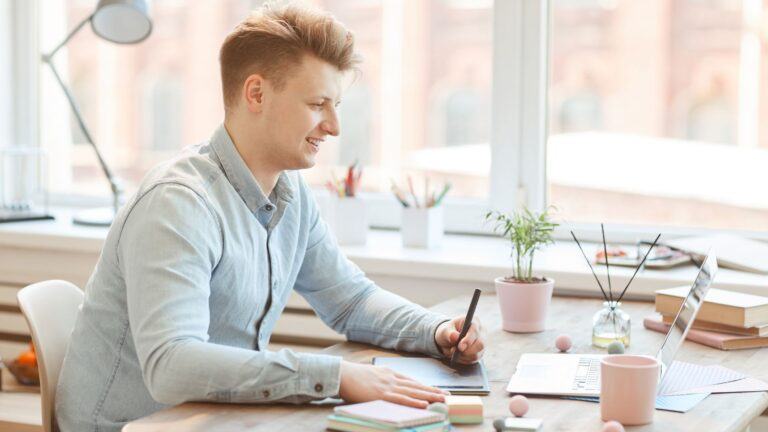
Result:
[[314, 142]]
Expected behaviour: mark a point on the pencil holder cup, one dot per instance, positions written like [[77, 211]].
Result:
[[422, 227], [351, 221]]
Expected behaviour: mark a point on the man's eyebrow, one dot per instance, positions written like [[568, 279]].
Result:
[[328, 99]]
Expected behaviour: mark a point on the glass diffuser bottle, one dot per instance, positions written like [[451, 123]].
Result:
[[610, 324]]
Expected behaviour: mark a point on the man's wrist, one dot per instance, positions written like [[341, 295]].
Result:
[[435, 336]]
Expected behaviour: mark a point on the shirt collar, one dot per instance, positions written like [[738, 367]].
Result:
[[242, 179]]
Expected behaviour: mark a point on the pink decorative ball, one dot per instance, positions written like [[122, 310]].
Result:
[[613, 426], [518, 405], [563, 343]]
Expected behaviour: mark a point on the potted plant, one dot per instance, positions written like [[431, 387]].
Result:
[[523, 297]]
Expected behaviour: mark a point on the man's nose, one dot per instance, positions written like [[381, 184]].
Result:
[[331, 123]]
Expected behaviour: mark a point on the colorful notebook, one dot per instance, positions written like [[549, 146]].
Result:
[[389, 414], [347, 424], [464, 409]]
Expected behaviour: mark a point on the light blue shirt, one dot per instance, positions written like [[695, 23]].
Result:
[[195, 271]]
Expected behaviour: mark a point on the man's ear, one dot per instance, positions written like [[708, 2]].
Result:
[[253, 88]]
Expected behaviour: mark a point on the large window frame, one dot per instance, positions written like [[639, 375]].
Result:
[[519, 126], [19, 61]]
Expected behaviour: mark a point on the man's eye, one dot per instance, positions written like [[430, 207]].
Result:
[[318, 105]]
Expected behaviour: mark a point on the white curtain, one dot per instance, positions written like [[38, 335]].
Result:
[[6, 75], [54, 110]]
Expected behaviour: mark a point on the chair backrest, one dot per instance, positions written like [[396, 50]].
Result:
[[50, 308]]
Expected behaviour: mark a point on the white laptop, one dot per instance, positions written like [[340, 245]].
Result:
[[579, 374]]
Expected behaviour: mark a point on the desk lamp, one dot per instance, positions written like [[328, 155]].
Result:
[[122, 22]]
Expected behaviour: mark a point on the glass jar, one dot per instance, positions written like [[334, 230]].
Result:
[[610, 324]]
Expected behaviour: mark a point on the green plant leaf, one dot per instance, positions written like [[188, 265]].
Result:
[[527, 232]]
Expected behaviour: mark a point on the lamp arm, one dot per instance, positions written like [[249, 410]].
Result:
[[48, 59], [71, 34]]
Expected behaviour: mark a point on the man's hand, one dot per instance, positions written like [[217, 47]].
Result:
[[364, 382], [471, 347]]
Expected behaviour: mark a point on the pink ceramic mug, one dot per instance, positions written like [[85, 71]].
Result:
[[628, 388]]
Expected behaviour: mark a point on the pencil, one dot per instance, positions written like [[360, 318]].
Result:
[[415, 198], [398, 195], [467, 324], [440, 197]]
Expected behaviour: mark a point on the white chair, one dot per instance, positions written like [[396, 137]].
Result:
[[50, 308]]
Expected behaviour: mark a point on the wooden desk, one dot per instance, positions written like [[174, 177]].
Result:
[[574, 316]]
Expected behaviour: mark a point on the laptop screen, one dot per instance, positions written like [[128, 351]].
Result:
[[687, 313]]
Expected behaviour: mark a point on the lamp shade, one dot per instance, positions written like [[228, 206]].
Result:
[[122, 21]]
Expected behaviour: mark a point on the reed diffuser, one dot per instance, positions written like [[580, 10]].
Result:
[[611, 323]]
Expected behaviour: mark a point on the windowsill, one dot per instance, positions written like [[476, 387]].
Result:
[[462, 258]]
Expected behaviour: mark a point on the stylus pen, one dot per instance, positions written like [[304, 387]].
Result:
[[467, 324]]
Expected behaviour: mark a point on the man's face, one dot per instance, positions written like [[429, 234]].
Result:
[[298, 117]]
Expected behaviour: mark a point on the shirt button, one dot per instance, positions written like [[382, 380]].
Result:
[[269, 207], [265, 393], [318, 387]]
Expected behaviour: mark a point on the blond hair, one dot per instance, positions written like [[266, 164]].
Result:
[[273, 40]]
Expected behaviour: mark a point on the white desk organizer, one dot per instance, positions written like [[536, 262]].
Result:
[[350, 221], [422, 227]]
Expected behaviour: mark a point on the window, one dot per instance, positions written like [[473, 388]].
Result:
[[617, 111], [420, 107], [657, 113]]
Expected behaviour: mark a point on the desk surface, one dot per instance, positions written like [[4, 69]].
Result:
[[716, 413]]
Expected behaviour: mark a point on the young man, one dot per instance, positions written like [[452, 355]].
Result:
[[198, 266]]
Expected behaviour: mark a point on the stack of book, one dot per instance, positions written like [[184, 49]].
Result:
[[727, 320], [377, 416]]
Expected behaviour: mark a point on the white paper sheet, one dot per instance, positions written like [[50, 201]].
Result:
[[679, 403], [745, 385], [683, 376], [676, 403]]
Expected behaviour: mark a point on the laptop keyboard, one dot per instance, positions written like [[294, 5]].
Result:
[[587, 374]]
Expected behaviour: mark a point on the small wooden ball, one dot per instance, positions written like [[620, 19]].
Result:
[[616, 347], [563, 342], [438, 407], [518, 405], [613, 426]]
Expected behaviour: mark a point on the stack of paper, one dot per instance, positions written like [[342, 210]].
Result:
[[377, 416], [687, 378], [687, 384], [464, 409]]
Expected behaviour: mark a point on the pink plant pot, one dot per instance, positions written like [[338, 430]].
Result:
[[524, 305]]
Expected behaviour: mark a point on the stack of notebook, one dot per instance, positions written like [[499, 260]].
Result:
[[380, 416], [464, 409], [727, 320]]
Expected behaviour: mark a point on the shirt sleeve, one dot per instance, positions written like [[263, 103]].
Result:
[[351, 304], [168, 249]]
